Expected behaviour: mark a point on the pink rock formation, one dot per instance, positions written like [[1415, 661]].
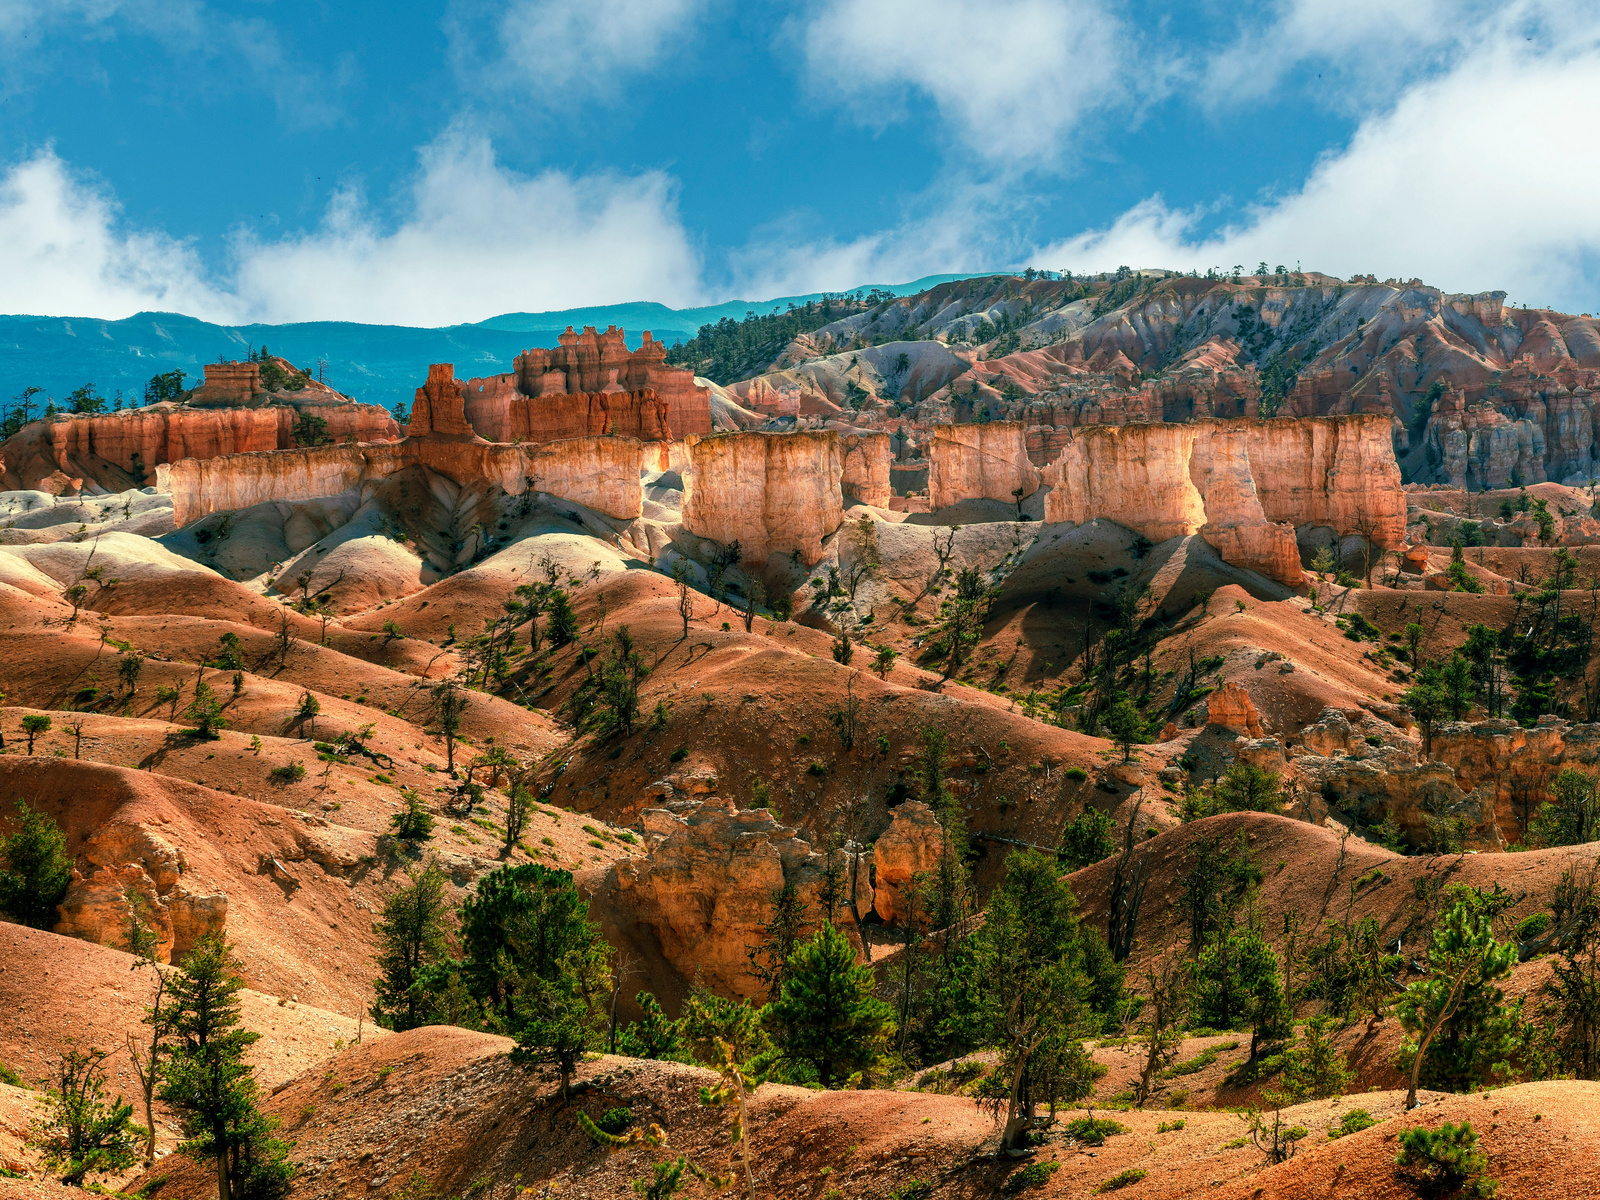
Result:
[[912, 843], [1230, 707], [972, 462], [1236, 524], [115, 451], [229, 385], [1243, 485], [552, 394], [707, 884], [770, 492], [128, 862], [599, 473], [439, 408], [865, 478]]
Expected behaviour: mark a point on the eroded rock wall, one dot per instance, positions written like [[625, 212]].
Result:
[[1242, 485], [988, 461], [770, 492], [866, 458], [115, 451], [601, 473], [589, 384], [706, 883]]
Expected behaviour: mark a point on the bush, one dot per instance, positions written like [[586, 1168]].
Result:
[[1531, 927], [290, 772], [1169, 1126], [678, 755], [1354, 1121], [1092, 1131], [917, 1189], [1077, 774], [1446, 1159], [413, 823], [1121, 1179], [1033, 1175], [615, 1120]]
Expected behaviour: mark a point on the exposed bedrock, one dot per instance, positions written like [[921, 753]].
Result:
[[988, 461], [601, 473], [706, 883], [1242, 485], [770, 492], [865, 478], [115, 451]]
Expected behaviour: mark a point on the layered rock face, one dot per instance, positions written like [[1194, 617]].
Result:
[[707, 882], [590, 384], [440, 406], [770, 492], [987, 461], [865, 476], [115, 451], [1242, 485], [229, 385], [599, 473]]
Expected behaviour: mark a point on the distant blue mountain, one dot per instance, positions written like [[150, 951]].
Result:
[[378, 364]]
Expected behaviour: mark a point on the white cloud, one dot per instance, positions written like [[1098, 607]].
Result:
[[559, 48], [62, 253], [478, 240], [1013, 77], [1366, 42], [1482, 178], [475, 240]]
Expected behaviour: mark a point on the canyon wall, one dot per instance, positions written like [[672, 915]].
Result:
[[1242, 485], [987, 461], [1334, 471], [599, 473], [770, 492], [865, 477], [115, 451]]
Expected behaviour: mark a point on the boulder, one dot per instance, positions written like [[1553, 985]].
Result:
[[1230, 707], [912, 843]]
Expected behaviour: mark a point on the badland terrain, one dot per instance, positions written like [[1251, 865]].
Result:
[[1037, 735]]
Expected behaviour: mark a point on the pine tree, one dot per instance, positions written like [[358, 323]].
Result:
[[1032, 991], [780, 935], [80, 1133], [1460, 1032], [209, 1083], [37, 869], [827, 1015], [413, 937]]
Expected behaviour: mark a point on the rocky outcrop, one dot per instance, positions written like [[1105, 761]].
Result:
[[1334, 471], [972, 462], [1230, 707], [865, 474], [115, 451], [133, 871], [1236, 524], [229, 385], [600, 473], [1243, 485], [707, 882], [770, 492], [912, 843], [439, 409], [589, 384]]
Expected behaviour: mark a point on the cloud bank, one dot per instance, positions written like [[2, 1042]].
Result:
[[476, 240]]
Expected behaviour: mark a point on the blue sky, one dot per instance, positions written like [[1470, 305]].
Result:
[[435, 161]]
